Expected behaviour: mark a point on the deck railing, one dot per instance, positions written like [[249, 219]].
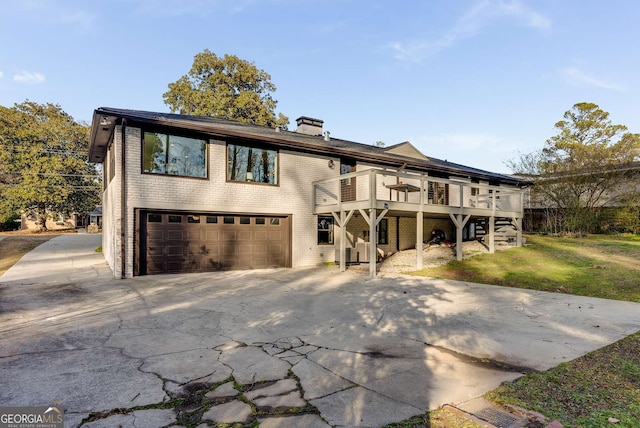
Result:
[[375, 188]]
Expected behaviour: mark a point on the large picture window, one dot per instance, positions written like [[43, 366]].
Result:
[[252, 164], [174, 155]]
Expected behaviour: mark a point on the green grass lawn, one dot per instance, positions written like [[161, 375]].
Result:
[[597, 266], [587, 391]]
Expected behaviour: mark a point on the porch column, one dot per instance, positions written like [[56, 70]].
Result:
[[342, 221], [492, 234], [518, 222], [460, 222], [372, 220], [492, 224], [373, 244], [419, 239], [343, 243]]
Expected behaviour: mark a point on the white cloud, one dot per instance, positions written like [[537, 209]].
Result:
[[481, 15], [574, 75], [28, 77]]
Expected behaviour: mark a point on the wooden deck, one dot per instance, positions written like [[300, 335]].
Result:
[[376, 193]]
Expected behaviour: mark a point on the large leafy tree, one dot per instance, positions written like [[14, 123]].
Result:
[[225, 88], [589, 164], [43, 162]]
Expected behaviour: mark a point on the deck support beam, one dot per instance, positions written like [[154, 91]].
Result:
[[372, 220], [492, 234], [419, 239], [341, 221], [518, 225], [460, 222]]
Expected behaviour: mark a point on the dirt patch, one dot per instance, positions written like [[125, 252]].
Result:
[[433, 256], [16, 245]]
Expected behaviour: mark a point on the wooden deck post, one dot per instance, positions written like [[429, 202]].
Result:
[[419, 239], [519, 232], [460, 222], [373, 244], [342, 220], [492, 234], [343, 243]]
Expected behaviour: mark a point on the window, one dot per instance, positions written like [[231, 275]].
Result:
[[252, 164], [174, 155], [260, 220], [346, 167], [175, 219], [438, 193], [212, 219], [325, 230], [154, 218], [245, 220], [193, 219], [229, 220], [274, 221], [383, 231]]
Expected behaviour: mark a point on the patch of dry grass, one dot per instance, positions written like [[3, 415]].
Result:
[[17, 244]]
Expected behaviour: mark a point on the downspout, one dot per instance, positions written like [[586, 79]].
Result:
[[123, 202]]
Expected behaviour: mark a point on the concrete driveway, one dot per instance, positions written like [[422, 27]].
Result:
[[286, 347]]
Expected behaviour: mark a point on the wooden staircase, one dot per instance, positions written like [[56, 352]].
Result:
[[505, 230]]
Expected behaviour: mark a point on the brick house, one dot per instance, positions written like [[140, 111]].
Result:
[[194, 194]]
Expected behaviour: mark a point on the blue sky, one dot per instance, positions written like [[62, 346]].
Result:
[[471, 81]]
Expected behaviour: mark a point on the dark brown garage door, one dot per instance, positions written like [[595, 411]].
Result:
[[188, 242]]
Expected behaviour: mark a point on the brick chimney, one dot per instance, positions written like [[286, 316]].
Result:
[[309, 125]]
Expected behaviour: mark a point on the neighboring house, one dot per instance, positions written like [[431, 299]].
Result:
[[56, 221], [193, 194], [94, 217], [615, 207]]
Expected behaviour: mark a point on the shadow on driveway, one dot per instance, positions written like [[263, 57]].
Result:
[[285, 347]]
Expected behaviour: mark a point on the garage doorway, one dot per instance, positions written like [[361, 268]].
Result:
[[178, 242]]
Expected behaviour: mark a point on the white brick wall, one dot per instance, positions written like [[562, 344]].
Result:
[[293, 196], [111, 212]]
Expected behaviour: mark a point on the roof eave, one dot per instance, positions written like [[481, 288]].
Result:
[[279, 138]]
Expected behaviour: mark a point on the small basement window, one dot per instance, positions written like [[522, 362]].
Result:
[[325, 230]]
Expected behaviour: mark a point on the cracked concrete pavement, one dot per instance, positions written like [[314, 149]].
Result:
[[283, 347]]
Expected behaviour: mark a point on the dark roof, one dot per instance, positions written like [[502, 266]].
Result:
[[105, 119]]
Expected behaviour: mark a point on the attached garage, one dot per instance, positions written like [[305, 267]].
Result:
[[177, 242]]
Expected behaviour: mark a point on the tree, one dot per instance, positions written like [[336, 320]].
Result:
[[590, 164], [225, 88], [43, 162]]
